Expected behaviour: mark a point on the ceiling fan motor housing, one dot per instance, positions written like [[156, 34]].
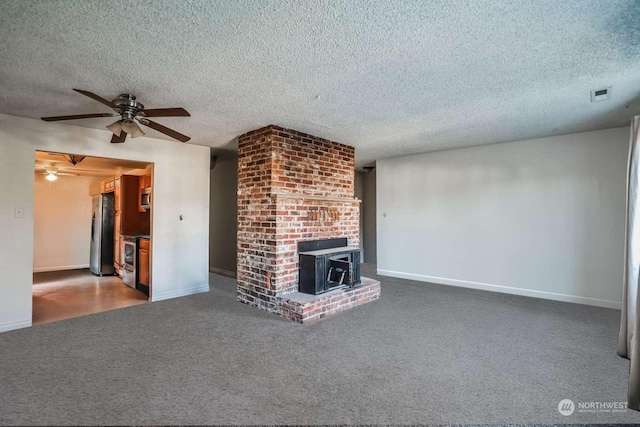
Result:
[[128, 107]]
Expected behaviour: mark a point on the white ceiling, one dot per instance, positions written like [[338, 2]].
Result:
[[389, 77]]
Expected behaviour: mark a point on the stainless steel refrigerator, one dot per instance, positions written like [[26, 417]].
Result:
[[102, 235]]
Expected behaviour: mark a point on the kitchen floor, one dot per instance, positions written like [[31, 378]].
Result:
[[60, 295]]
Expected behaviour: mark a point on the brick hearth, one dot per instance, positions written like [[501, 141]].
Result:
[[306, 308], [292, 187]]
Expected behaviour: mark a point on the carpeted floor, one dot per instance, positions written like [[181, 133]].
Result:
[[421, 354]]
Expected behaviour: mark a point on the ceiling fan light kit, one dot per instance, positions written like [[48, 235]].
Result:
[[51, 176], [115, 128], [132, 128], [130, 111], [126, 126]]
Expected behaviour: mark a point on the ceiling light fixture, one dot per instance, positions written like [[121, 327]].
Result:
[[115, 128], [51, 176], [129, 126], [132, 129]]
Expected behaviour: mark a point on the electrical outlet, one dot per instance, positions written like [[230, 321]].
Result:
[[18, 213]]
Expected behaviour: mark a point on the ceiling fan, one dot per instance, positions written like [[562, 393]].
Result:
[[54, 168], [130, 111], [74, 159], [52, 174]]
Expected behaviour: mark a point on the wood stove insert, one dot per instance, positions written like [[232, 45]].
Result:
[[326, 265]]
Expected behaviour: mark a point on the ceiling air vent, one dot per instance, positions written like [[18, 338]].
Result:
[[600, 94]]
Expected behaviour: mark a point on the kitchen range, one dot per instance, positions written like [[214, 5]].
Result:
[[120, 241], [135, 264]]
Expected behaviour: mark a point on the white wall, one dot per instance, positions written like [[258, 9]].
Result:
[[542, 218], [223, 216], [180, 249], [62, 222], [369, 217], [358, 193]]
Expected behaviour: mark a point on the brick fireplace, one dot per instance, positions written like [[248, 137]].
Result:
[[293, 187]]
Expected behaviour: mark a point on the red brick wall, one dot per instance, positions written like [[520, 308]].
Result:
[[291, 187], [309, 165], [256, 220]]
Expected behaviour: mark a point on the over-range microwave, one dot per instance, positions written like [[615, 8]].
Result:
[[145, 198]]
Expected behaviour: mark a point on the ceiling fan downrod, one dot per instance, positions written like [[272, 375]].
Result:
[[127, 106]]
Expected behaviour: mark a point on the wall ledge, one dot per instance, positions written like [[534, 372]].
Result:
[[4, 327], [302, 196], [504, 289], [179, 293]]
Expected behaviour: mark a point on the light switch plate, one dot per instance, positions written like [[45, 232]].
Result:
[[18, 213], [601, 94]]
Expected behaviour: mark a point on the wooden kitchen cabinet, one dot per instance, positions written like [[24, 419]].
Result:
[[118, 250], [143, 262], [128, 220], [116, 221], [117, 255], [108, 185], [121, 256], [118, 194], [144, 182], [133, 222], [116, 239]]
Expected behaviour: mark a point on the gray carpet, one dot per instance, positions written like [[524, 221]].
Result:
[[421, 354]]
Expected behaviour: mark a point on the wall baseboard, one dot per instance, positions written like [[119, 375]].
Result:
[[15, 325], [504, 289], [179, 293], [60, 268], [222, 272]]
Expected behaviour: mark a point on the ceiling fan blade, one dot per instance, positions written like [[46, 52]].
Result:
[[163, 129], [78, 116], [166, 112], [97, 98], [115, 139]]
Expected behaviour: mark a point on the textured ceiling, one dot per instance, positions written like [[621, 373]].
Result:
[[389, 77]]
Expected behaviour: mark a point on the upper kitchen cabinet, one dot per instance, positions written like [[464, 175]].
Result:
[[145, 181], [108, 185], [133, 221]]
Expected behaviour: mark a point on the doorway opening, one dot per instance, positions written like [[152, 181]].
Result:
[[92, 235]]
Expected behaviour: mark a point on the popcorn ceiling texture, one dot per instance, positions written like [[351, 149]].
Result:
[[387, 77], [291, 187]]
